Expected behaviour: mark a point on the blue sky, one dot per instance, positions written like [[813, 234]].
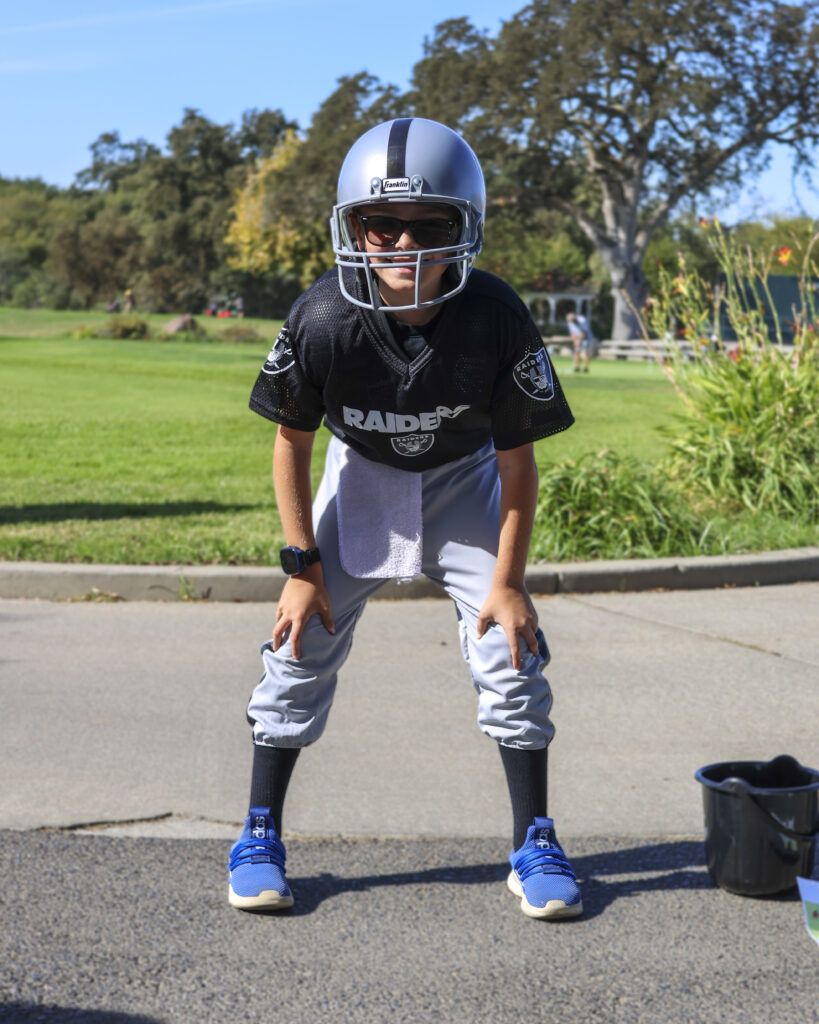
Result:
[[69, 72]]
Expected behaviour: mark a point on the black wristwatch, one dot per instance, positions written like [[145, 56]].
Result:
[[294, 560]]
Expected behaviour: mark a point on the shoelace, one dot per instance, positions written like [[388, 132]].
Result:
[[269, 850], [551, 861]]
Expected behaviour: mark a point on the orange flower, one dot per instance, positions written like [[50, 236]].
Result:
[[784, 255], [705, 223]]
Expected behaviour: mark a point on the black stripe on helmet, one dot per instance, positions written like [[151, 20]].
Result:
[[397, 147]]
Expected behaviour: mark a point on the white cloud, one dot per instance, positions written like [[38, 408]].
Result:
[[120, 17], [63, 63]]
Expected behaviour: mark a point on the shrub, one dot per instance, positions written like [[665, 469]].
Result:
[[25, 295], [39, 290], [605, 506], [121, 327], [240, 334], [83, 331], [553, 330], [193, 336], [749, 429], [749, 432]]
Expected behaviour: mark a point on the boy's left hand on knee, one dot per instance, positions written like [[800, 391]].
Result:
[[512, 610]]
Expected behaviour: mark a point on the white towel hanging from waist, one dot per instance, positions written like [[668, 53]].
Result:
[[380, 524]]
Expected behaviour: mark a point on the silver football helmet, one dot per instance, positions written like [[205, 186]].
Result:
[[410, 159]]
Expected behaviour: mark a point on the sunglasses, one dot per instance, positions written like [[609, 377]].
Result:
[[429, 233]]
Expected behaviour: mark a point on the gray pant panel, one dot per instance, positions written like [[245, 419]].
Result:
[[461, 507]]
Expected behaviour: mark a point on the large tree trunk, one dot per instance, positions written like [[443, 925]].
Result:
[[625, 323], [630, 290], [621, 248]]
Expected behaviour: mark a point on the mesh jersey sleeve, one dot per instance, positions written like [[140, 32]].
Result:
[[528, 401], [283, 391]]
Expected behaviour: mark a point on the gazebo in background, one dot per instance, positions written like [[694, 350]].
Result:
[[554, 295]]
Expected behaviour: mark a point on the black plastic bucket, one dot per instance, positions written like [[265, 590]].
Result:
[[761, 820]]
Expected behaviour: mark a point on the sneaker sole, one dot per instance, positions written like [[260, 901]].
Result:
[[268, 899], [554, 909]]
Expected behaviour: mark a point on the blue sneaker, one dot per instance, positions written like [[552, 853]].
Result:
[[542, 875], [256, 866]]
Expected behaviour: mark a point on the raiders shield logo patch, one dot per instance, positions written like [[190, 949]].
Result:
[[281, 355], [413, 444], [533, 374]]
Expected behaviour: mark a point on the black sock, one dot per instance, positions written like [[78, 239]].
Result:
[[526, 777], [272, 767]]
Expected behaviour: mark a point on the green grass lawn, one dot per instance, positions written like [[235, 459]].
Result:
[[618, 405], [146, 452]]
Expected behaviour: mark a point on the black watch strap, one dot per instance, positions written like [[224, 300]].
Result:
[[295, 560]]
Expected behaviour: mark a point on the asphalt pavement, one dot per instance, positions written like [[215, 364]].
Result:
[[125, 762]]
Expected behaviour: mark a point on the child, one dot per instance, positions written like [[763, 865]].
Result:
[[434, 383]]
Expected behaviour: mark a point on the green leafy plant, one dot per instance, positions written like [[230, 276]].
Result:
[[748, 432], [83, 332], [189, 336], [240, 334], [606, 506], [122, 327]]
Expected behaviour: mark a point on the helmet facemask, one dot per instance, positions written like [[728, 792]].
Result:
[[458, 256]]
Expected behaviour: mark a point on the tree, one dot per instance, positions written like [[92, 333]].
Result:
[[23, 235], [685, 237], [264, 238], [162, 214], [527, 249], [788, 240], [452, 79], [524, 243], [96, 257], [613, 111], [114, 160], [261, 131], [30, 213], [279, 222]]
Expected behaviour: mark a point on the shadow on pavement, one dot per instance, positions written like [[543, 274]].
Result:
[[313, 890], [618, 874], [26, 1012], [655, 867]]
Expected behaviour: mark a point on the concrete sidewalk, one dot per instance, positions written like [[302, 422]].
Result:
[[134, 712]]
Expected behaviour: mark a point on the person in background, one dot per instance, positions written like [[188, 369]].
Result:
[[582, 340]]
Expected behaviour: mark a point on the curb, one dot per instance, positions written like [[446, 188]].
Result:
[[57, 581]]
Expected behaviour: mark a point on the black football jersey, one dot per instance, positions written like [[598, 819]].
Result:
[[482, 374]]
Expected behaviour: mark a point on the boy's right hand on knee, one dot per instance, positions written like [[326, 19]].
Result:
[[303, 596]]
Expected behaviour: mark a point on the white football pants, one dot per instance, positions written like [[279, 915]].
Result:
[[461, 524]]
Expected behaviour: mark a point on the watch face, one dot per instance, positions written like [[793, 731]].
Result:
[[292, 560]]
